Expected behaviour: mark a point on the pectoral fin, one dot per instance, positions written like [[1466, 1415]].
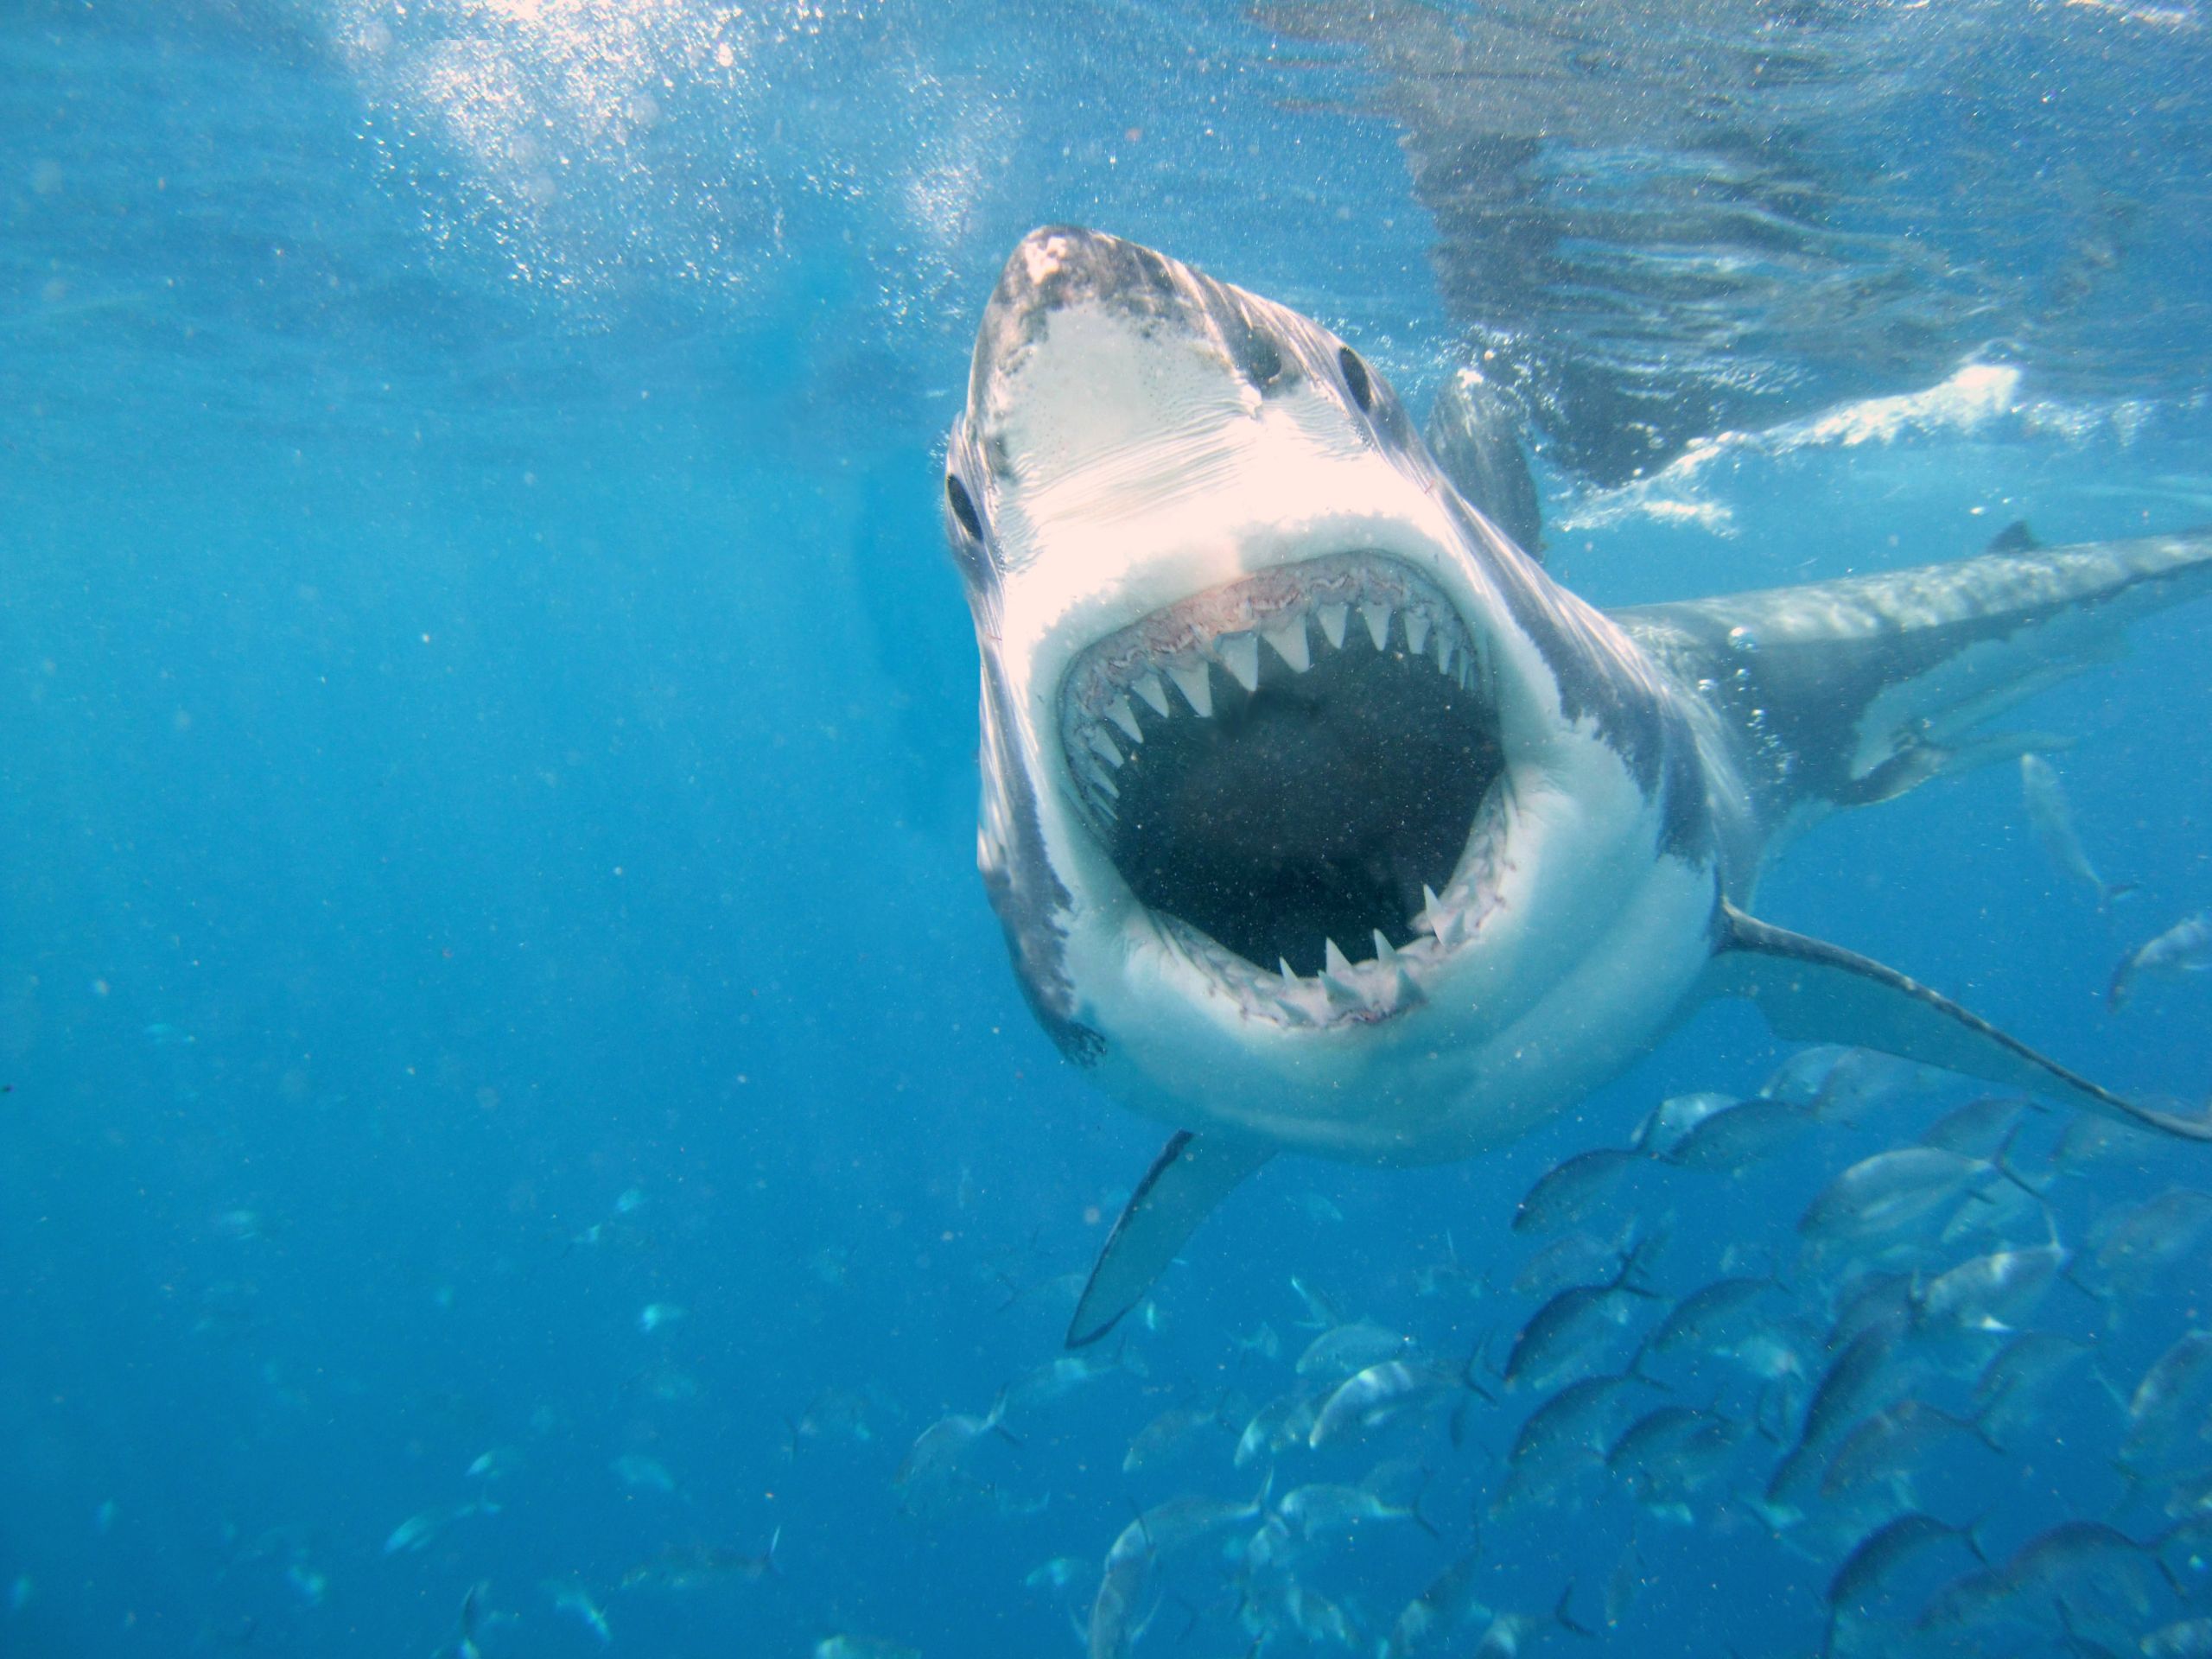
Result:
[[1812, 991], [1190, 1176]]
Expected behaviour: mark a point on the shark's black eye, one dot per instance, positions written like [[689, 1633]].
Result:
[[963, 507], [1355, 380]]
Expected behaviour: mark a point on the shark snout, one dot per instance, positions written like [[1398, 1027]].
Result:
[[1092, 348], [1062, 267]]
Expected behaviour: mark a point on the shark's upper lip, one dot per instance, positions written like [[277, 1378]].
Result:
[[1299, 774]]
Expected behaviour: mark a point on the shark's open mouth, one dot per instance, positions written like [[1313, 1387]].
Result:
[[1297, 773]]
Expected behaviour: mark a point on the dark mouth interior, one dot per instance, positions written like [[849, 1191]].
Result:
[[1314, 807]]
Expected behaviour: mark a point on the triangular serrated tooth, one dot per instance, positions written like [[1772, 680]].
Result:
[[1104, 745], [1122, 716], [1289, 643], [1331, 618], [1432, 910], [1197, 691], [1283, 967], [1240, 655], [1334, 964], [1155, 693], [1443, 653], [1457, 924], [1292, 1012], [1416, 631], [1378, 623], [1091, 773], [1385, 952]]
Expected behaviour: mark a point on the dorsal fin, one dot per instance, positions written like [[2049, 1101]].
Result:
[[2015, 537]]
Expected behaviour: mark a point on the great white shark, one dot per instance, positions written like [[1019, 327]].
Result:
[[1320, 818]]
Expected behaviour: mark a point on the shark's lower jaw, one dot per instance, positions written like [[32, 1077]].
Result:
[[1299, 775]]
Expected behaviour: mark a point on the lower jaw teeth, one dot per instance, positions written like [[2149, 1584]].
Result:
[[1390, 983], [1372, 990]]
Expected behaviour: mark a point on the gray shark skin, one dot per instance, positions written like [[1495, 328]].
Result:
[[1318, 817]]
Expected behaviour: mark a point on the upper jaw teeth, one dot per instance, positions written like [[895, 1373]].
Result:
[[1168, 662]]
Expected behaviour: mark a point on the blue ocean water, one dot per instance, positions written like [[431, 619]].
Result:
[[491, 972]]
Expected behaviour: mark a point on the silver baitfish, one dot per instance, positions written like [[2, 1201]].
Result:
[[2184, 948]]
